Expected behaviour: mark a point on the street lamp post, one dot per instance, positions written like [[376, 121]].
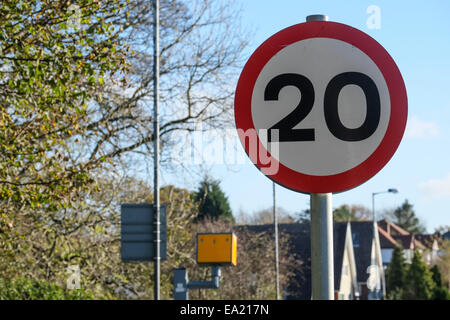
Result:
[[391, 190], [156, 195]]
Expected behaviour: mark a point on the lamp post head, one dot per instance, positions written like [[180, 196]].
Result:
[[393, 190]]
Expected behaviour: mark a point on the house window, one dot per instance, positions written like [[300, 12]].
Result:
[[355, 239]]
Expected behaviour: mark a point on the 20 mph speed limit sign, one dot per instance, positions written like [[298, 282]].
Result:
[[320, 107]]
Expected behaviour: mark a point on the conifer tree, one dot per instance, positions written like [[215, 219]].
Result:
[[420, 285], [213, 203], [405, 217], [439, 292], [396, 275], [436, 275]]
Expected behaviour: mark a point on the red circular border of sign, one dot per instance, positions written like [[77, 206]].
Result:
[[399, 105]]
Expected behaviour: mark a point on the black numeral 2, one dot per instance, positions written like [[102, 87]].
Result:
[[334, 124], [285, 131]]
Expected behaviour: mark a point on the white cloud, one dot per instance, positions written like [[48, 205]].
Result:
[[436, 187], [417, 128]]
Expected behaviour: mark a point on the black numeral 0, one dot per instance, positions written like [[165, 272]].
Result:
[[372, 119], [331, 111]]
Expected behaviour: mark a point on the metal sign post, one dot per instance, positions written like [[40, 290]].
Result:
[[277, 260], [322, 267]]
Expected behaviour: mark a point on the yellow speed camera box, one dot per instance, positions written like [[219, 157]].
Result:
[[217, 248]]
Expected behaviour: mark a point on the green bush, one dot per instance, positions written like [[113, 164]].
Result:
[[27, 289], [441, 293]]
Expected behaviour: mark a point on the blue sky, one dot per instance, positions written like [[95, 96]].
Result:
[[417, 36]]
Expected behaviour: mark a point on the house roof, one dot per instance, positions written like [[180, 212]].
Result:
[[390, 232], [409, 242], [427, 240], [419, 244], [446, 236], [300, 239], [406, 241], [365, 231], [392, 228], [386, 240], [339, 234]]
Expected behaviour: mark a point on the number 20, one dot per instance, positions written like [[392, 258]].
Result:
[[285, 126]]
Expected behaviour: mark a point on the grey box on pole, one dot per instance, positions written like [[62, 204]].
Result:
[[180, 284], [137, 232]]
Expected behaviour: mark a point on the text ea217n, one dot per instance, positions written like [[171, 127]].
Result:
[[242, 309]]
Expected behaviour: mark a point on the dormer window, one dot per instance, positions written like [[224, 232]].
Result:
[[355, 239]]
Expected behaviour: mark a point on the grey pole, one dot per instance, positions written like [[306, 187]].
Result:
[[157, 262], [373, 207], [375, 230], [277, 263], [214, 283], [322, 267], [182, 285]]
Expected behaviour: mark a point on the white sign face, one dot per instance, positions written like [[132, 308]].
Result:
[[328, 100], [320, 60]]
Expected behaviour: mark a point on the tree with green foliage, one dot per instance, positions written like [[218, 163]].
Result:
[[419, 281], [27, 289], [351, 213], [436, 276], [88, 236], [54, 56], [396, 274], [303, 216], [405, 217], [74, 111], [440, 292], [444, 262], [213, 203]]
